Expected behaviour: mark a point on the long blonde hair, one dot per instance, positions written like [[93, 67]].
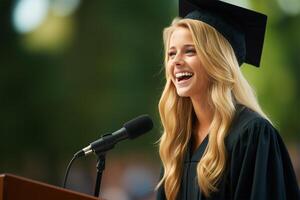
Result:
[[227, 88]]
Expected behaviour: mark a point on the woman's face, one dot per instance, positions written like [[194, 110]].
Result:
[[184, 66]]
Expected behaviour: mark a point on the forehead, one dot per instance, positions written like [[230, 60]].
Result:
[[180, 37]]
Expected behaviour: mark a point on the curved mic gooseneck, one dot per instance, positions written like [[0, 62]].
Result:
[[130, 129]]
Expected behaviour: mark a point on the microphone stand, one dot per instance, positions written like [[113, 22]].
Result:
[[100, 168]]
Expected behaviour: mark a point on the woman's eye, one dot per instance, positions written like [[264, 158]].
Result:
[[171, 54], [190, 51]]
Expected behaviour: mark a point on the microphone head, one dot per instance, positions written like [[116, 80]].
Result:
[[138, 126]]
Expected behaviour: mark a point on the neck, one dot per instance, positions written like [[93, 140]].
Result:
[[204, 113]]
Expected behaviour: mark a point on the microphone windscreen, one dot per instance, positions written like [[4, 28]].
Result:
[[138, 126]]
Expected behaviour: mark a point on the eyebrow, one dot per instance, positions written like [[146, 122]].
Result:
[[184, 46]]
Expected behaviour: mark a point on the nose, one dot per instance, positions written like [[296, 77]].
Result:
[[178, 60]]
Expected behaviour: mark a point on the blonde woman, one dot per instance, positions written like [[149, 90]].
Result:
[[217, 142]]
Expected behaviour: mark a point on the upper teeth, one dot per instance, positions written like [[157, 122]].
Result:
[[181, 74]]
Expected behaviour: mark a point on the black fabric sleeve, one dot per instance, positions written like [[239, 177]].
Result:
[[161, 192], [260, 167]]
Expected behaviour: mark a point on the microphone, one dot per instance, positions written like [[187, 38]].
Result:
[[130, 129]]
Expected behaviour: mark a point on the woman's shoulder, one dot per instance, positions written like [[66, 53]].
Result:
[[259, 164], [248, 125], [245, 118]]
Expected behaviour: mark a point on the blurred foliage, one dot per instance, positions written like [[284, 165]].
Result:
[[79, 76]]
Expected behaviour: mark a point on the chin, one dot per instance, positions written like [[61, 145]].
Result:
[[183, 93]]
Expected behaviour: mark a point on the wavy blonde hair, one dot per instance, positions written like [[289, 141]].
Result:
[[227, 88]]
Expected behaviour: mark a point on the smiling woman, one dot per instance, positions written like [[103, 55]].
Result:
[[184, 66], [217, 142]]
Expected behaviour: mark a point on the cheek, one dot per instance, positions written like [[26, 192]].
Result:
[[203, 81]]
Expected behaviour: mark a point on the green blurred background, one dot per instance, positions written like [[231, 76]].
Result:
[[72, 70]]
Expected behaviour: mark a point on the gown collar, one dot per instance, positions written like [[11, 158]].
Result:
[[197, 154]]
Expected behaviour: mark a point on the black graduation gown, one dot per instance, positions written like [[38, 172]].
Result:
[[258, 167]]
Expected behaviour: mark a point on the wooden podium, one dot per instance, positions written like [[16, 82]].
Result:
[[18, 188]]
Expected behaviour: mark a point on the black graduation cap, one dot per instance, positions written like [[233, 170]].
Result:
[[243, 28]]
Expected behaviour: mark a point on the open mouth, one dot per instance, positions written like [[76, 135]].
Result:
[[183, 76]]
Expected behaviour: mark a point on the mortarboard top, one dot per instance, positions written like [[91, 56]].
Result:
[[243, 28]]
